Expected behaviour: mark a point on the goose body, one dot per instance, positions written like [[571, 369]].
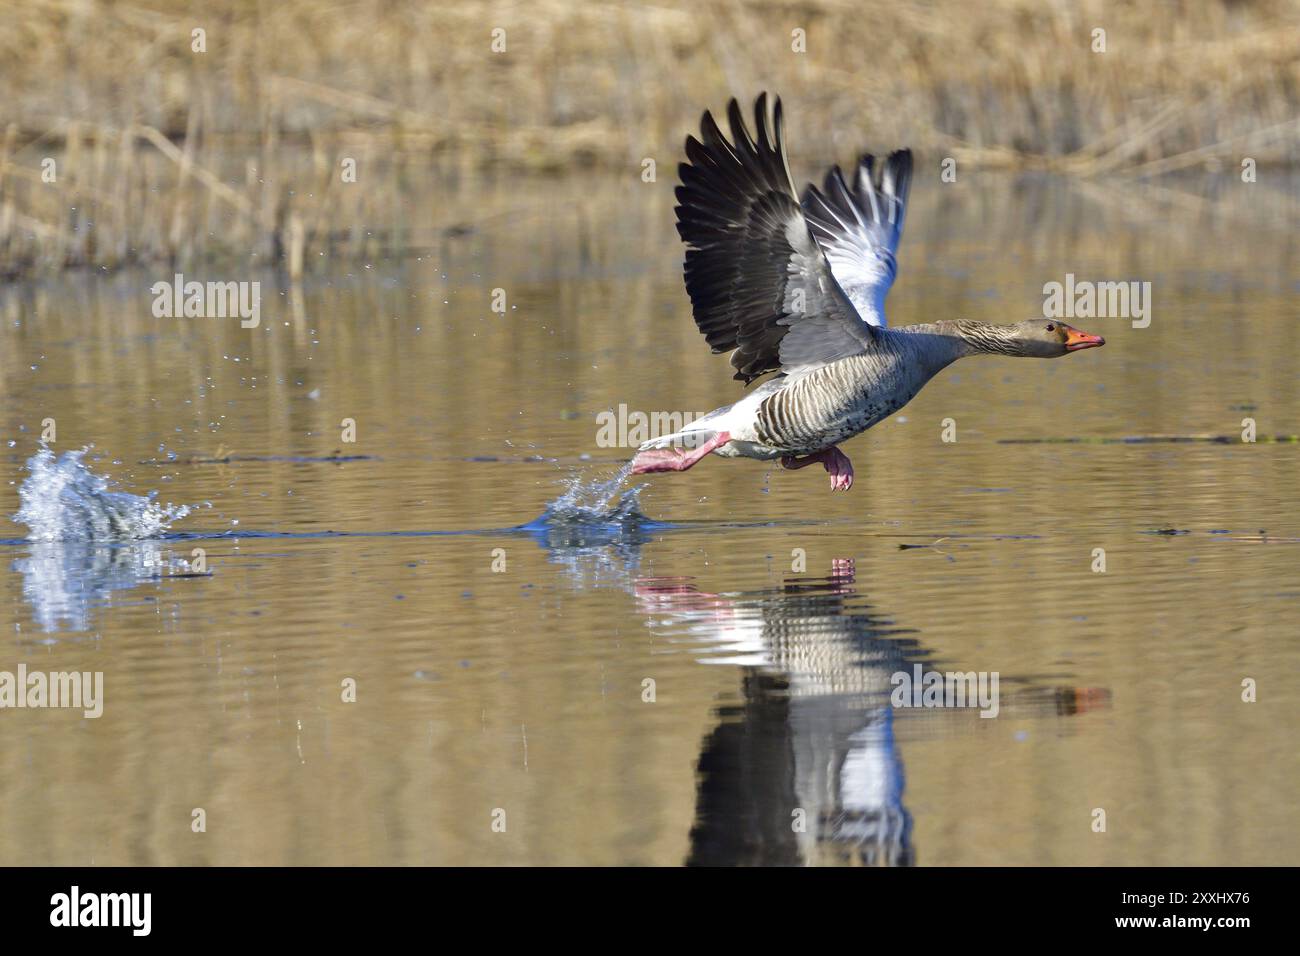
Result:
[[803, 414], [796, 287]]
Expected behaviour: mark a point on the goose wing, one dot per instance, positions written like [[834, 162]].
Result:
[[760, 286], [859, 229]]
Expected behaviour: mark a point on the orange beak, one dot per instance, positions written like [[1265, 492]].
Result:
[[1076, 340]]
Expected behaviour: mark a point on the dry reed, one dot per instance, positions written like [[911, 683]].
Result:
[[163, 154]]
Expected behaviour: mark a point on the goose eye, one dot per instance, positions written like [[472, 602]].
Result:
[[1051, 328]]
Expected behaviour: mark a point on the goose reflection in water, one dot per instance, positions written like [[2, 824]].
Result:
[[806, 769]]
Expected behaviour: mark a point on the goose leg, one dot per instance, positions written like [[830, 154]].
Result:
[[836, 462], [675, 459]]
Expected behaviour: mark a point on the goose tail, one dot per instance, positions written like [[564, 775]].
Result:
[[693, 433], [689, 437]]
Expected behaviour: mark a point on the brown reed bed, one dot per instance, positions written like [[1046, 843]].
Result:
[[164, 154]]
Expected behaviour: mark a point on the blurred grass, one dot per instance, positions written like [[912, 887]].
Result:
[[163, 154]]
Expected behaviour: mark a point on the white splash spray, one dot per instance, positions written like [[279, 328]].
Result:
[[596, 502], [63, 500]]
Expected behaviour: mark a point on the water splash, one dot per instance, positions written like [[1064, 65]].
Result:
[[63, 500], [595, 529], [596, 504]]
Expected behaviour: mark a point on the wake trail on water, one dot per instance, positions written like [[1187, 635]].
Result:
[[63, 500]]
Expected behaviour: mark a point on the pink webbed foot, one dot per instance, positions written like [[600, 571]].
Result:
[[675, 459], [837, 464], [659, 459]]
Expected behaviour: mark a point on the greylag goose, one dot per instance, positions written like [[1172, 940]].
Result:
[[797, 287]]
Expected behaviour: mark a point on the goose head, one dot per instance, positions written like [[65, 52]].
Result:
[[1048, 338], [1035, 338]]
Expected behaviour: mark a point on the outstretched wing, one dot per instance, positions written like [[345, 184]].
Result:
[[859, 228], [759, 284]]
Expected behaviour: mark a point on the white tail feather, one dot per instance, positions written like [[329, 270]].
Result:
[[689, 437]]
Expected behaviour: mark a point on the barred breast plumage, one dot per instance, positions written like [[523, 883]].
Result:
[[834, 402]]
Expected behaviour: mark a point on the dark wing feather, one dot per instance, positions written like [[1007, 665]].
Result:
[[859, 229], [758, 282]]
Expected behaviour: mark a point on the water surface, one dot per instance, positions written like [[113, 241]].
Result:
[[501, 662]]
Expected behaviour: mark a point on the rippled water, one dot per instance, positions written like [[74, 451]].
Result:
[[691, 667]]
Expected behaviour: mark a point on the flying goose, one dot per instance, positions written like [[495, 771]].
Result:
[[797, 287]]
